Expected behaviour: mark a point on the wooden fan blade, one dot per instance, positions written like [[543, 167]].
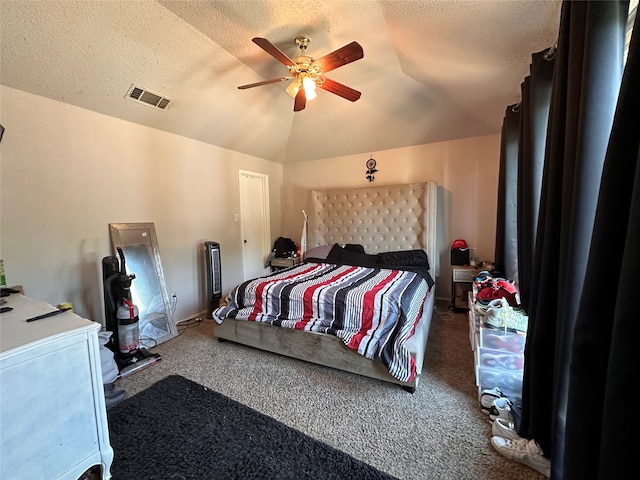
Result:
[[265, 82], [340, 90], [347, 54], [300, 101], [274, 51]]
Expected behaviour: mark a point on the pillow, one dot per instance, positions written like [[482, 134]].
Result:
[[414, 258], [319, 252], [343, 256], [354, 247]]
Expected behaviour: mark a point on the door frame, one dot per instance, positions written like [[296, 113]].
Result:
[[266, 225]]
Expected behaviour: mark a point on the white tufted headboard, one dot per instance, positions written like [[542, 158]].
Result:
[[384, 218]]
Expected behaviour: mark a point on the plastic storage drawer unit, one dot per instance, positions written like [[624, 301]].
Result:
[[501, 340]]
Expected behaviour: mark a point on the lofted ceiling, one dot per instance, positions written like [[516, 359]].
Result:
[[432, 71]]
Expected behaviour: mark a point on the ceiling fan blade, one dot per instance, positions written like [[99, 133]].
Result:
[[300, 101], [340, 90], [265, 82], [274, 51], [347, 54]]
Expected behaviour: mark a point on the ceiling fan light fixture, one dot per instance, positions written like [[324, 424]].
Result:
[[308, 74], [309, 86], [293, 88]]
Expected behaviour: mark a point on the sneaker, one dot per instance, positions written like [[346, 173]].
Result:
[[483, 279], [487, 397], [505, 429], [504, 316], [501, 408], [482, 308], [524, 451], [516, 320], [495, 316]]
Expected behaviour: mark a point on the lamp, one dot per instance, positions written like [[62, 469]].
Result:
[[309, 86], [303, 81], [292, 89]]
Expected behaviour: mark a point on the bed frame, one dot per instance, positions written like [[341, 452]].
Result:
[[384, 218]]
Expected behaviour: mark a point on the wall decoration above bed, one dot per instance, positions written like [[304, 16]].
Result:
[[383, 218], [371, 169]]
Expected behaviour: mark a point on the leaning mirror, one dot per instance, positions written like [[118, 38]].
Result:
[[148, 291]]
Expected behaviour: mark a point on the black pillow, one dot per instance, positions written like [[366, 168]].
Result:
[[354, 247], [404, 258], [342, 256]]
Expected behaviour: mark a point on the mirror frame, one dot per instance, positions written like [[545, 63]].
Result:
[[116, 241]]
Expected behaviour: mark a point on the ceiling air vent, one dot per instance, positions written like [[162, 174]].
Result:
[[143, 95]]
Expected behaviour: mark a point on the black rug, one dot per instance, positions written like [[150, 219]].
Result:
[[177, 429]]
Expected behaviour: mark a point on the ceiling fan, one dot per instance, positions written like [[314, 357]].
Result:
[[307, 73]]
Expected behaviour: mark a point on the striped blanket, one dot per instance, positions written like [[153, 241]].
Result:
[[373, 310]]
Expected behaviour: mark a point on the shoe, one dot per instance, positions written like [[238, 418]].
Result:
[[487, 397], [505, 429], [516, 320], [497, 288], [495, 316], [524, 451], [482, 308], [501, 408], [483, 279], [504, 316]]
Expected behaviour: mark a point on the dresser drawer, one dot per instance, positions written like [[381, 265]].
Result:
[[284, 262], [466, 275]]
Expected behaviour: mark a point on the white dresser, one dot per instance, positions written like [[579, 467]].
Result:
[[53, 421]]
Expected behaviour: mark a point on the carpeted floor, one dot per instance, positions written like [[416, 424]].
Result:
[[436, 433], [192, 433]]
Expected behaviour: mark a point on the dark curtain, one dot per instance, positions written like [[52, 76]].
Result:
[[506, 253], [534, 117], [604, 371], [586, 82], [521, 160], [498, 255]]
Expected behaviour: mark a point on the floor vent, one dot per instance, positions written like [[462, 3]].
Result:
[[143, 95]]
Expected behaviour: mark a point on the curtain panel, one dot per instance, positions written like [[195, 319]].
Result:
[[506, 254], [534, 118], [604, 372], [585, 87]]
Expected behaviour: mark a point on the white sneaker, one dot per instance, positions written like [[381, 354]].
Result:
[[505, 429], [482, 309], [495, 313], [501, 408], [487, 397], [501, 315], [523, 451]]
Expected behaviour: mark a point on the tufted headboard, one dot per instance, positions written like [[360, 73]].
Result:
[[384, 218]]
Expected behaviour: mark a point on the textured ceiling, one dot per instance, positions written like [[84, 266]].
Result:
[[432, 70]]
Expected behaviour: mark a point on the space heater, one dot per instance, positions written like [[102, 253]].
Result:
[[214, 276]]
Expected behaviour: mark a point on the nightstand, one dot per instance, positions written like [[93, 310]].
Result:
[[279, 263], [462, 277]]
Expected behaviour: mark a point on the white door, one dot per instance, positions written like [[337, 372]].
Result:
[[254, 211]]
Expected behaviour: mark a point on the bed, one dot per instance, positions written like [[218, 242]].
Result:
[[363, 297]]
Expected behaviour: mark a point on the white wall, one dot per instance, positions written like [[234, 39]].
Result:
[[66, 173], [466, 171]]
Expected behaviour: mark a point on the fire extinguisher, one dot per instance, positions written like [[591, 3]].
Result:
[[128, 327]]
